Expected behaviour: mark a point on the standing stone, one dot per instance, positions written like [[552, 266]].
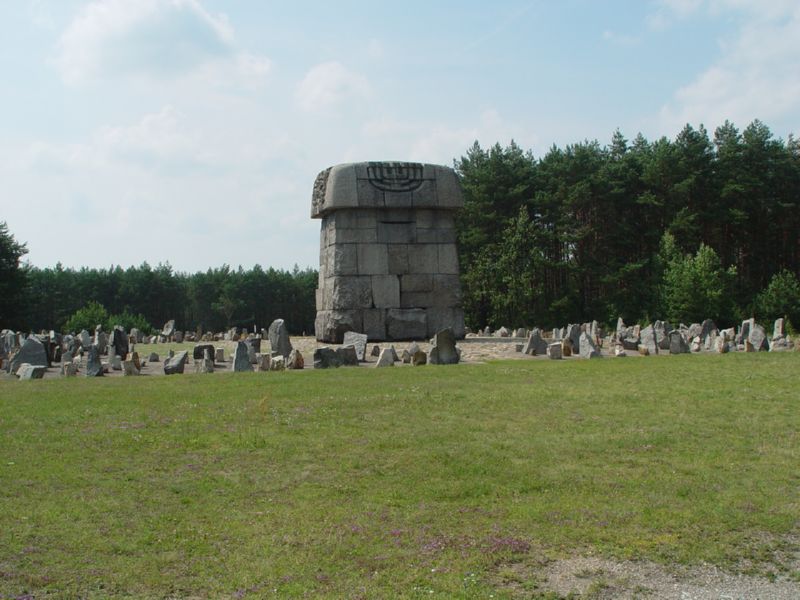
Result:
[[295, 360], [648, 339], [376, 351], [219, 355], [566, 348], [169, 328], [176, 364], [358, 341], [778, 330], [253, 349], [129, 368], [27, 371], [520, 333], [443, 349], [100, 338], [757, 336], [204, 365], [619, 352], [279, 338], [418, 358], [263, 362], [386, 358], [503, 332], [587, 347], [696, 344], [536, 344], [199, 351], [326, 358], [277, 363], [573, 334], [721, 346], [744, 330], [347, 356], [388, 258], [677, 343], [69, 369], [119, 340], [662, 331], [32, 352], [94, 368], [153, 357], [554, 351], [115, 362], [241, 359]]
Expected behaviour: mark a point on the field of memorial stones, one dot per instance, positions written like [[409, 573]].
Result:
[[672, 471]]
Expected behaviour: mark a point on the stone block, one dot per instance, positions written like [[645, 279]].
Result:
[[448, 189], [426, 195], [330, 325], [423, 258], [374, 323], [373, 259], [352, 292], [386, 291], [448, 259], [396, 233], [406, 324], [342, 259], [358, 341], [353, 236], [417, 282], [369, 196], [398, 199], [416, 299], [397, 259]]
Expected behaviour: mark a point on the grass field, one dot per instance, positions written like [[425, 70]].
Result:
[[426, 482]]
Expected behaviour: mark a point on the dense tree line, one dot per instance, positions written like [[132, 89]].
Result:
[[213, 300], [679, 229]]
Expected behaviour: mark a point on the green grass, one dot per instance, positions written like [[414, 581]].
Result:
[[393, 482]]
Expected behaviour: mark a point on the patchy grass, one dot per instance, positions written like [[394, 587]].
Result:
[[393, 482]]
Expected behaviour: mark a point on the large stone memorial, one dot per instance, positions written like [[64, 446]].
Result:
[[388, 260]]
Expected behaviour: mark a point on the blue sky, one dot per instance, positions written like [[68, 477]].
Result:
[[190, 131]]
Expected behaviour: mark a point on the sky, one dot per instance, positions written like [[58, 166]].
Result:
[[190, 132]]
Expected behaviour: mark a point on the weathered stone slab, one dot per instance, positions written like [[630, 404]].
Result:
[[32, 352], [295, 360], [648, 339], [177, 363], [536, 345], [28, 371], [386, 358], [404, 324], [443, 349], [279, 338], [555, 351], [358, 341], [587, 347], [94, 368], [204, 365], [200, 350], [241, 359], [757, 336], [129, 368], [677, 343]]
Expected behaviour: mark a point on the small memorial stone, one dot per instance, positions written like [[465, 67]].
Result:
[[177, 363]]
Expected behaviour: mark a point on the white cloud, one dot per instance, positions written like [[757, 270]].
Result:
[[152, 38], [757, 74], [330, 84], [620, 39]]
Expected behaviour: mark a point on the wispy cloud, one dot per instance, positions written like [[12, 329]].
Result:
[[757, 74], [328, 85], [151, 38]]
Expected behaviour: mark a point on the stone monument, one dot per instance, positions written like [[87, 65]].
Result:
[[388, 261]]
